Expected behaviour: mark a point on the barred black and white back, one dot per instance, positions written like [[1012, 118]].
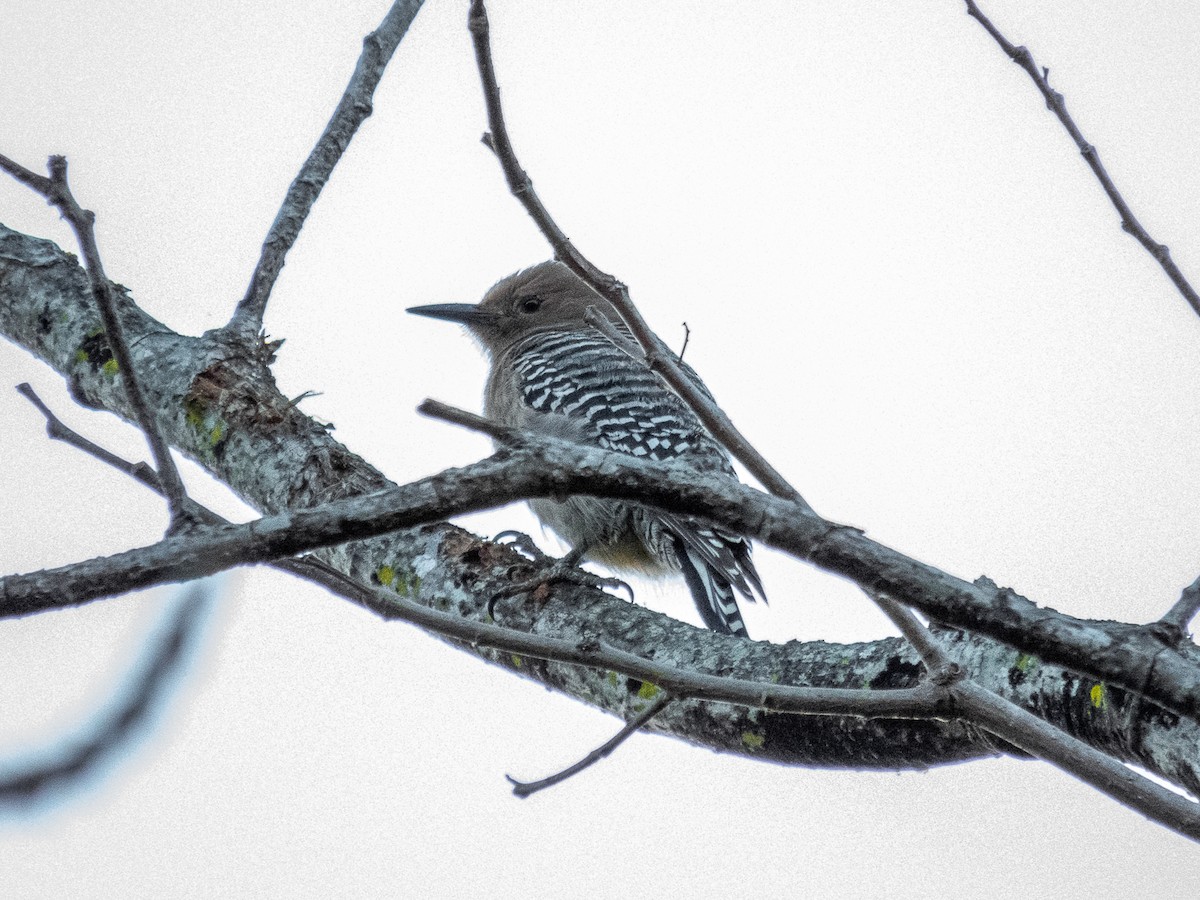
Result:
[[576, 384]]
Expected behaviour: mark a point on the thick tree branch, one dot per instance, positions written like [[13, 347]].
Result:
[[549, 467], [227, 415], [1055, 103], [351, 112], [921, 702], [1003, 719]]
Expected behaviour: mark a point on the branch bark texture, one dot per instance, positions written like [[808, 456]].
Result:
[[219, 405]]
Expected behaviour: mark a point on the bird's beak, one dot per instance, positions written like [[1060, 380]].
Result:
[[466, 313]]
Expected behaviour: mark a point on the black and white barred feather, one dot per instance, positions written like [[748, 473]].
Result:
[[576, 384]]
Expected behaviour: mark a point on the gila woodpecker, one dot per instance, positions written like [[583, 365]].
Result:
[[553, 373]]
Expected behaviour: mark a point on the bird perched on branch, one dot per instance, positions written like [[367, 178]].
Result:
[[553, 373]]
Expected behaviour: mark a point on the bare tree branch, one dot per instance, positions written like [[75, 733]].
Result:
[[938, 664], [58, 192], [1179, 616], [658, 356], [549, 467], [232, 420], [1105, 774], [1055, 103], [528, 788], [351, 112]]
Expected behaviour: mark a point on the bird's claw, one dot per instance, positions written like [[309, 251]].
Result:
[[564, 569], [523, 544]]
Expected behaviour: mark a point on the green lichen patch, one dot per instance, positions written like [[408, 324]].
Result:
[[94, 351], [400, 579], [648, 691]]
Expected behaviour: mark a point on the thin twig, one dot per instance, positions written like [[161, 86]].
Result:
[[1054, 101], [38, 183], [526, 788], [56, 429], [658, 357], [436, 409], [352, 110], [58, 192], [941, 668], [1180, 616]]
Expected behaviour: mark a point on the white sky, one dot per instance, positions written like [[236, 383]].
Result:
[[901, 280]]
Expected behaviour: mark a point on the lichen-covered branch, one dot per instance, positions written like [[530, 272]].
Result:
[[220, 407]]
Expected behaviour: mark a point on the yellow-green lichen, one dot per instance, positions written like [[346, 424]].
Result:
[[753, 740], [398, 579], [81, 356], [215, 435], [613, 679], [1025, 662], [648, 691], [517, 661], [1099, 696], [110, 368]]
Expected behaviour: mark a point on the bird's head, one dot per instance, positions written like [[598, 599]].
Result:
[[545, 297]]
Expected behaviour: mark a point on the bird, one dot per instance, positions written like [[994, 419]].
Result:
[[553, 373]]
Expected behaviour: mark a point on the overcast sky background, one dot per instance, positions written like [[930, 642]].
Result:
[[901, 281]]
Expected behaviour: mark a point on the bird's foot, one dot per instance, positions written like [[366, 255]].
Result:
[[563, 569]]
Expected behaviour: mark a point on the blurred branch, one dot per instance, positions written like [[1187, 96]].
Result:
[[166, 653], [1055, 103], [352, 110]]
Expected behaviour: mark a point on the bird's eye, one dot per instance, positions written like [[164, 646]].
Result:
[[530, 304]]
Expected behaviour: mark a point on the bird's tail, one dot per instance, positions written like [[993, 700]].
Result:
[[717, 568]]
